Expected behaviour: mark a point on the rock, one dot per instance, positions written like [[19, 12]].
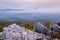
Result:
[[54, 28], [15, 32], [41, 29]]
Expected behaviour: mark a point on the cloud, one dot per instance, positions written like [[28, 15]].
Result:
[[11, 3], [32, 5]]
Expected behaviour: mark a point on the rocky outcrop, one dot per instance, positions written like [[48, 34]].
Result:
[[15, 32], [55, 28], [41, 29]]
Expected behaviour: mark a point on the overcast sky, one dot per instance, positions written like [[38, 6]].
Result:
[[46, 6]]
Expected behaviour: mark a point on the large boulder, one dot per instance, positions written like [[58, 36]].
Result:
[[41, 29], [54, 28], [12, 32]]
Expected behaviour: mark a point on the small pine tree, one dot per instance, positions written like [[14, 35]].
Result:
[[1, 28], [47, 24]]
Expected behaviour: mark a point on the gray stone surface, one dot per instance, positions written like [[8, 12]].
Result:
[[41, 29], [14, 32]]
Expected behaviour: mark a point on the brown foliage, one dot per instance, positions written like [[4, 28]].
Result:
[[55, 35]]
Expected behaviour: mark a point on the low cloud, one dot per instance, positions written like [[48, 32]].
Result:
[[32, 5]]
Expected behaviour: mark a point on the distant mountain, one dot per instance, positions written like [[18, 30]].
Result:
[[11, 10], [11, 14]]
